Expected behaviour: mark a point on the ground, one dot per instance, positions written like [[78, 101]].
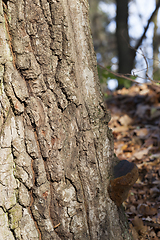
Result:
[[136, 128]]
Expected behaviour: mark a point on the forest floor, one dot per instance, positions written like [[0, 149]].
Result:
[[136, 128]]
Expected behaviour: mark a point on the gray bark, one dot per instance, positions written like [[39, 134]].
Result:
[[56, 150]]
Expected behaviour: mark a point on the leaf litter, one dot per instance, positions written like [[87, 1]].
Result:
[[136, 129]]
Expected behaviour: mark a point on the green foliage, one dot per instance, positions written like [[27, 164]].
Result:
[[105, 76], [156, 75], [122, 82]]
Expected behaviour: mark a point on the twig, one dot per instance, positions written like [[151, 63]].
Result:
[[57, 225], [119, 74], [147, 75], [145, 59], [146, 28], [130, 79]]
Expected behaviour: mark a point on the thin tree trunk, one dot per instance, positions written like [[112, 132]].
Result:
[[56, 150], [156, 44], [126, 55]]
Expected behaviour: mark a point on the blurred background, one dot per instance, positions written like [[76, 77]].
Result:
[[126, 36]]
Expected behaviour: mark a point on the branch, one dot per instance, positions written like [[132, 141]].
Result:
[[128, 78], [119, 74], [145, 59], [146, 28]]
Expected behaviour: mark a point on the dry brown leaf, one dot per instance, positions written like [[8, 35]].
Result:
[[156, 219], [158, 234], [154, 192], [138, 225], [120, 129], [134, 232], [145, 210], [139, 140], [142, 132], [140, 154], [125, 120], [124, 147], [152, 234]]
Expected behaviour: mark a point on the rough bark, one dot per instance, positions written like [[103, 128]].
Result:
[[56, 150]]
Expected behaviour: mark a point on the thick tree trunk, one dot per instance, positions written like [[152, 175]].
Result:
[[56, 150]]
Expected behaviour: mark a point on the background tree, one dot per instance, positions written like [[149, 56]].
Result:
[[104, 40], [56, 150], [126, 53], [156, 45], [126, 46]]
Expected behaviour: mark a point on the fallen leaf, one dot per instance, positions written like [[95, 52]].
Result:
[[125, 120], [146, 210], [138, 225], [142, 132], [141, 153], [120, 129]]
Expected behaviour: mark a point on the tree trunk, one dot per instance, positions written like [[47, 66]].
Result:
[[156, 44], [126, 54], [56, 150]]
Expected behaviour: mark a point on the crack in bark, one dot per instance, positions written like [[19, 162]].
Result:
[[95, 145], [31, 196], [76, 191], [9, 36], [12, 231], [44, 12], [31, 214], [5, 120], [85, 205], [70, 223]]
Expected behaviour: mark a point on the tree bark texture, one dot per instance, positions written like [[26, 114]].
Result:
[[56, 150]]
